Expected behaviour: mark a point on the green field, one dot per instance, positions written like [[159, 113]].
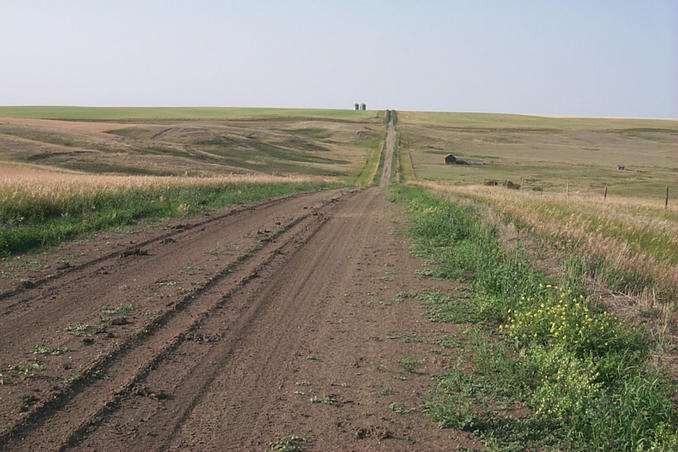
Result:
[[122, 113], [545, 153], [512, 121]]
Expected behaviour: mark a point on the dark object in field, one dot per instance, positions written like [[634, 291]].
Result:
[[507, 184], [621, 167], [363, 107], [452, 160], [511, 185], [357, 107]]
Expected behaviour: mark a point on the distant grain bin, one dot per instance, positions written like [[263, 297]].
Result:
[[363, 107], [450, 159], [357, 107]]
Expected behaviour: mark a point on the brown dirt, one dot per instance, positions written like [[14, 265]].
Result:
[[249, 325]]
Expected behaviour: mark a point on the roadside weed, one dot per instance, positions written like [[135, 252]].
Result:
[[409, 363], [108, 314], [289, 443], [82, 328], [41, 349]]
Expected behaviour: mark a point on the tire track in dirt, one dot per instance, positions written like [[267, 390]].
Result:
[[128, 250]]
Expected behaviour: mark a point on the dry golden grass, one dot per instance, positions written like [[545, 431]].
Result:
[[22, 180], [635, 237]]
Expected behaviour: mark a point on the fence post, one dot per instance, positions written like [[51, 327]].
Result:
[[605, 194], [567, 190], [666, 198]]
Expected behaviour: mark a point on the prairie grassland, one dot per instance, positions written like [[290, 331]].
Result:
[[544, 153], [40, 206], [631, 243], [122, 113], [315, 146], [515, 121]]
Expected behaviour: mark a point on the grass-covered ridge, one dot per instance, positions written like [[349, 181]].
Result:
[[509, 121], [329, 146], [121, 113], [550, 367]]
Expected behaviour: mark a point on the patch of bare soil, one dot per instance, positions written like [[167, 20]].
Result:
[[228, 333]]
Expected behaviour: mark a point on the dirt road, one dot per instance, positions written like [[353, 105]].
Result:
[[229, 332], [388, 155]]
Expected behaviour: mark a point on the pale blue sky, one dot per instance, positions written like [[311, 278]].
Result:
[[572, 57]]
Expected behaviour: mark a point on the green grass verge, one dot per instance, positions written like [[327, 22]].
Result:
[[550, 367], [369, 172], [30, 222]]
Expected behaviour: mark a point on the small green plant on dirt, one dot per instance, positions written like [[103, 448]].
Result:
[[326, 400], [109, 314], [5, 379], [405, 338], [399, 409], [28, 368], [83, 329], [152, 314], [168, 283], [220, 249], [193, 269], [289, 443], [385, 391], [409, 363], [41, 349]]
